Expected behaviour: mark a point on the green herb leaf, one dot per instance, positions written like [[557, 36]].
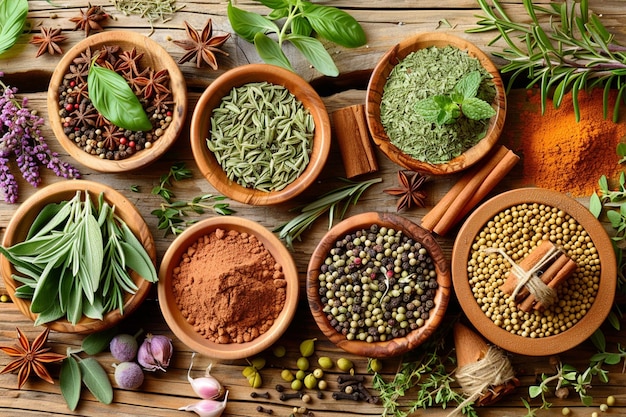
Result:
[[95, 343], [595, 205], [315, 53], [335, 25], [247, 24], [69, 379], [270, 51], [429, 109], [274, 4], [301, 26], [45, 217], [534, 391], [54, 312], [96, 380], [115, 100], [468, 85], [12, 18], [477, 109], [137, 263]]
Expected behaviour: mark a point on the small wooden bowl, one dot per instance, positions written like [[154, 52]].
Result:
[[395, 346], [540, 346], [212, 97], [375, 91], [155, 57], [185, 331], [25, 214]]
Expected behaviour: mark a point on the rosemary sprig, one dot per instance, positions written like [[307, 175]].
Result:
[[573, 51], [336, 202], [171, 213]]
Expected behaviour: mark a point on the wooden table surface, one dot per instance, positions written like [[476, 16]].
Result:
[[385, 23]]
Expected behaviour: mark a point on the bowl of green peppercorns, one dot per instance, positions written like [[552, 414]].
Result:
[[378, 285]]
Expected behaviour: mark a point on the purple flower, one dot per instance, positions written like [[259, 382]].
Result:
[[20, 136]]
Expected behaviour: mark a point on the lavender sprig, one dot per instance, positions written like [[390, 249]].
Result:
[[21, 137]]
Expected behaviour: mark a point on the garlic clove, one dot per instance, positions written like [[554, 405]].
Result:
[[155, 352], [206, 387], [207, 408]]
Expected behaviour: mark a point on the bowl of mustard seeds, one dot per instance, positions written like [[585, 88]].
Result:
[[506, 230]]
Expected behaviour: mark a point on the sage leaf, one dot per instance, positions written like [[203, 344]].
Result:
[[96, 380], [270, 51], [47, 289], [25, 292], [95, 343], [44, 218], [54, 312], [315, 53], [95, 309], [137, 263], [247, 24], [130, 238], [477, 109], [12, 20], [115, 100], [69, 379], [75, 305], [335, 25]]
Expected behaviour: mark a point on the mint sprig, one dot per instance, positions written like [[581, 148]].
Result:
[[446, 109]]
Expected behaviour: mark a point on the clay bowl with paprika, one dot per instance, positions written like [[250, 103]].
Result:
[[269, 139], [228, 288], [375, 101], [375, 296], [521, 223], [18, 228], [103, 154]]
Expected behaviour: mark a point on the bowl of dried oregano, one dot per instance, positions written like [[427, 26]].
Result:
[[260, 134], [435, 104]]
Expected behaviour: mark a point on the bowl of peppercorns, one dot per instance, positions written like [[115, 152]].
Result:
[[117, 101], [534, 271], [378, 285]]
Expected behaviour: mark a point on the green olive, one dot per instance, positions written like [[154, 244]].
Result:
[[287, 375], [302, 363], [307, 347], [300, 374], [279, 351], [310, 381], [376, 365], [344, 364], [296, 384]]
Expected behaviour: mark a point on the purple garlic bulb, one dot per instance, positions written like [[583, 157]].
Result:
[[155, 352]]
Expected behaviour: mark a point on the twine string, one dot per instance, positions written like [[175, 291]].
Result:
[[475, 378], [530, 279]]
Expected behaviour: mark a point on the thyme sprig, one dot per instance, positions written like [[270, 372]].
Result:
[[335, 202], [574, 51], [172, 214]]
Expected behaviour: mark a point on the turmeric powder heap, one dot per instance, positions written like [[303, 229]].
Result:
[[560, 154]]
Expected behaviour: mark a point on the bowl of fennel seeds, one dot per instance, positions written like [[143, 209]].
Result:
[[260, 134], [446, 73]]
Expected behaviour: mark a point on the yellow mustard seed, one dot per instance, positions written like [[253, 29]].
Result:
[[610, 401]]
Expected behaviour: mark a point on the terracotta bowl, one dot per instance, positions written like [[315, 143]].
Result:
[[212, 97], [547, 345], [394, 346], [155, 57], [179, 324], [375, 91], [25, 214]]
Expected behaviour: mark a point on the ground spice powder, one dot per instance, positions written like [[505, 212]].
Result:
[[229, 287], [560, 154]]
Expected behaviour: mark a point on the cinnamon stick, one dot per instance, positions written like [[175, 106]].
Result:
[[547, 276], [564, 271], [355, 146], [526, 264]]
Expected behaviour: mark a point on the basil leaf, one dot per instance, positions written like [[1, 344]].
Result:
[[69, 379], [335, 25], [114, 99], [12, 19], [315, 53], [278, 14], [98, 342], [247, 24], [301, 26], [270, 51], [274, 4], [96, 380]]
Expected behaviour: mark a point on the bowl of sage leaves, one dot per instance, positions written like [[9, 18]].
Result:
[[435, 104], [77, 257], [117, 101], [260, 134]]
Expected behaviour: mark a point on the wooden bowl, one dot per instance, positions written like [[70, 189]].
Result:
[[547, 345], [21, 221], [212, 97], [398, 345], [184, 330], [375, 93], [155, 57]]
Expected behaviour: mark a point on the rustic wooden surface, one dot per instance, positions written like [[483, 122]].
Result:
[[385, 22]]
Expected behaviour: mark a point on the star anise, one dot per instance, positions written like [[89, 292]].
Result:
[[409, 191], [154, 82], [127, 61], [30, 357], [111, 136], [202, 47], [48, 41], [89, 20]]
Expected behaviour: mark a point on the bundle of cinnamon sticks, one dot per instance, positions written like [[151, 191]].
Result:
[[355, 145], [469, 191], [552, 273]]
